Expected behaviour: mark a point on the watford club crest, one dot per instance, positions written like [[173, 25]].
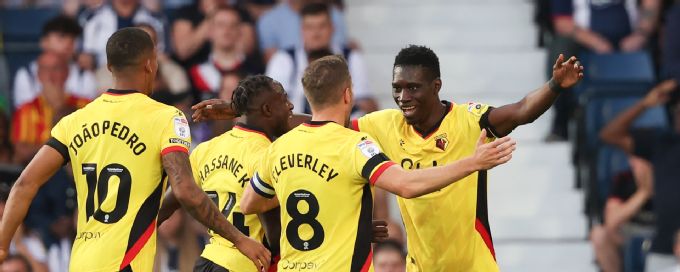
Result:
[[441, 142]]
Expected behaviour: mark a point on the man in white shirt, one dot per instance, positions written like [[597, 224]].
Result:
[[59, 36], [109, 18], [287, 65]]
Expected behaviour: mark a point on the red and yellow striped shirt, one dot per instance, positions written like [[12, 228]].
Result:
[[32, 122]]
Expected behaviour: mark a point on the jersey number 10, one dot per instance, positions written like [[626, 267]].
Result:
[[101, 185]]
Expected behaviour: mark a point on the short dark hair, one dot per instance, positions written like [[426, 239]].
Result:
[[22, 259], [389, 245], [62, 24], [249, 88], [127, 46], [319, 53], [325, 79], [418, 55], [315, 9]]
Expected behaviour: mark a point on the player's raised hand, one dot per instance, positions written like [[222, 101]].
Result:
[[660, 94], [255, 251], [567, 73], [489, 155], [380, 233], [213, 109]]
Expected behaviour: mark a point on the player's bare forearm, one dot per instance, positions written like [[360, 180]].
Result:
[[45, 163], [506, 118], [619, 214], [271, 222], [192, 198], [410, 184], [252, 202], [617, 131], [170, 205]]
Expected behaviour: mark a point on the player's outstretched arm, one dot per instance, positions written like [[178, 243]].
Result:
[[410, 184], [45, 163], [252, 202], [617, 131], [565, 75], [197, 203]]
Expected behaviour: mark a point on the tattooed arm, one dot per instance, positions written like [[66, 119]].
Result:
[[199, 206]]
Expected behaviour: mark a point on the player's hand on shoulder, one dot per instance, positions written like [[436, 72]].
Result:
[[255, 251], [489, 155], [213, 109], [567, 73]]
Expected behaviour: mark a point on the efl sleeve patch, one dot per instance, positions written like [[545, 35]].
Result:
[[476, 108], [368, 148], [181, 127]]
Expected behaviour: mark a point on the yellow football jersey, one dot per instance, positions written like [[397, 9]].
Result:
[[115, 145], [223, 167], [322, 174], [447, 230]]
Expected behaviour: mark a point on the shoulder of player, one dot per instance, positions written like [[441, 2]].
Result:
[[470, 108]]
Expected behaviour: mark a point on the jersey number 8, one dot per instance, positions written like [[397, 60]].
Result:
[[298, 219]]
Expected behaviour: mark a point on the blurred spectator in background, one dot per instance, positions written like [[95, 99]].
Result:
[[602, 27], [288, 65], [257, 8], [59, 37], [191, 32], [6, 150], [109, 18], [178, 244], [16, 263], [279, 28], [606, 26], [226, 55], [32, 121], [389, 256], [170, 77], [662, 149], [228, 84], [82, 10], [628, 212], [24, 243]]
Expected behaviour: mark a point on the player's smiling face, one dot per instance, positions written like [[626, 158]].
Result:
[[415, 91], [282, 110]]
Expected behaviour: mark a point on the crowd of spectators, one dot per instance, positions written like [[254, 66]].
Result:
[[643, 201]]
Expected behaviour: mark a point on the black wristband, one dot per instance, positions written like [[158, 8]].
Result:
[[553, 86]]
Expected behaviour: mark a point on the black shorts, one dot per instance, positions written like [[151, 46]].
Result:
[[205, 265]]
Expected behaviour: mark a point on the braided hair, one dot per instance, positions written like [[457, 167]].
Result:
[[249, 88]]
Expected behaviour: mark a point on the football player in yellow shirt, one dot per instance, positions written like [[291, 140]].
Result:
[[224, 165], [321, 174], [425, 132], [120, 147]]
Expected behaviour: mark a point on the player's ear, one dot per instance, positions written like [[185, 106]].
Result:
[[266, 109], [437, 84], [147, 66], [347, 95]]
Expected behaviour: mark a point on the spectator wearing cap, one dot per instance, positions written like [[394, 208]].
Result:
[[59, 36]]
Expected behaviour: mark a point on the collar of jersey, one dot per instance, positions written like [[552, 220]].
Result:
[[431, 131], [120, 92], [316, 123], [253, 129]]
